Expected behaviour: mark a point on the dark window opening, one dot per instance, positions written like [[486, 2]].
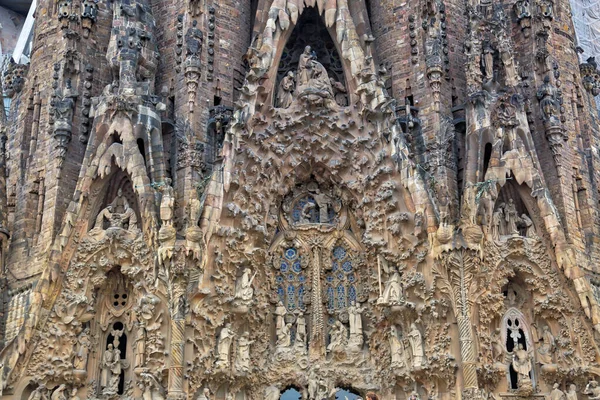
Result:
[[487, 155], [142, 147]]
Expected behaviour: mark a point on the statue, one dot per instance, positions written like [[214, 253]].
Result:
[[312, 78], [522, 9], [242, 360], [59, 393], [414, 396], [511, 216], [396, 348], [153, 390], [40, 393], [193, 41], [117, 213], [521, 364], [194, 8], [167, 202], [243, 286], [592, 390], [546, 348], [304, 66], [529, 229], [223, 346], [300, 330], [286, 90], [556, 393], [272, 393], [508, 60], [497, 222], [547, 95], [107, 362], [74, 394], [339, 93], [572, 393], [204, 394], [487, 61], [356, 329], [284, 336], [497, 347], [546, 9], [416, 344], [280, 312], [338, 337], [81, 353], [392, 294], [115, 370]]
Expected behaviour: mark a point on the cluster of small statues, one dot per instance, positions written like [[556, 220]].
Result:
[[118, 213], [506, 222], [312, 81], [284, 330], [112, 365], [224, 343]]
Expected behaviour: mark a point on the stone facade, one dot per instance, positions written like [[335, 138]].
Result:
[[312, 198]]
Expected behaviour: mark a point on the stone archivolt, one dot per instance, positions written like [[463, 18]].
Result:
[[313, 252]]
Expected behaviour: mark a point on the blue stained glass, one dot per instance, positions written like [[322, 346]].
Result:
[[279, 279], [340, 276], [341, 296], [339, 252], [334, 266], [330, 298], [291, 303], [347, 266], [290, 277], [329, 278], [352, 293], [296, 267], [301, 297], [290, 253], [281, 293], [284, 267], [351, 278], [301, 278]]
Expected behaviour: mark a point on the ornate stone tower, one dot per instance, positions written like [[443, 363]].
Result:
[[314, 199]]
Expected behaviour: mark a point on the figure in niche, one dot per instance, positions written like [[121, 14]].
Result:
[[285, 94], [74, 394], [167, 202], [356, 329], [444, 201], [507, 59], [83, 348], [193, 41], [59, 393], [338, 337], [497, 347], [243, 287], [280, 312], [528, 226], [572, 393], [284, 336], [396, 348], [592, 390], [144, 313], [300, 331], [522, 365], [487, 61], [546, 348], [497, 222], [546, 9], [153, 390], [194, 8], [118, 214], [547, 95], [115, 369], [40, 393], [307, 213], [204, 394], [392, 294], [313, 81], [242, 359], [511, 217], [224, 346], [556, 393], [340, 93], [416, 343], [107, 362]]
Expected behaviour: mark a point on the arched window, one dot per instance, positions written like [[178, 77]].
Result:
[[346, 394], [290, 394], [117, 343], [291, 280], [341, 280], [516, 335]]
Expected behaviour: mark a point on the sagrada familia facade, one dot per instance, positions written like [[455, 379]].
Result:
[[318, 199]]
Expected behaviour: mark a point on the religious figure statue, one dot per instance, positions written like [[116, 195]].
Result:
[[497, 222], [115, 373], [286, 89], [547, 95], [546, 9], [396, 348], [529, 229], [224, 345], [194, 8], [284, 336], [59, 393], [167, 202], [416, 343], [312, 78], [304, 65], [497, 347], [242, 359], [572, 393], [81, 353], [74, 394], [556, 393], [546, 348], [300, 331], [117, 213], [444, 201], [392, 294], [339, 93], [193, 41], [204, 394], [521, 364], [243, 286], [592, 390], [356, 329], [272, 393], [107, 362], [280, 312], [40, 393], [338, 337], [487, 61], [511, 216]]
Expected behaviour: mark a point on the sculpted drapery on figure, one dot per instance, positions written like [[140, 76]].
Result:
[[224, 346]]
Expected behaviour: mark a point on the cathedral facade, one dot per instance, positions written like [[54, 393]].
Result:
[[300, 199]]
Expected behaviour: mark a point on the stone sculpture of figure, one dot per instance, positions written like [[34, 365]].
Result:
[[392, 293], [487, 61], [572, 393], [444, 200], [204, 394], [338, 337], [140, 345], [117, 213], [521, 363], [115, 370], [280, 312], [546, 9], [243, 286], [272, 393], [414, 396], [107, 362], [242, 359], [285, 94], [40, 393], [592, 390], [396, 348], [511, 216], [193, 40], [83, 348], [497, 347], [74, 394], [356, 329], [497, 222], [119, 203], [546, 348], [194, 8], [547, 95], [300, 330], [416, 343], [529, 229], [523, 9], [167, 202], [339, 92], [507, 59], [556, 393], [284, 336], [312, 76], [59, 393], [224, 345], [304, 74]]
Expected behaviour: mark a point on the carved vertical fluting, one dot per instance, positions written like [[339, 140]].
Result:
[[317, 345], [176, 368]]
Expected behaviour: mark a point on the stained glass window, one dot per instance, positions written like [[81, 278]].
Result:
[[341, 280], [291, 280]]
